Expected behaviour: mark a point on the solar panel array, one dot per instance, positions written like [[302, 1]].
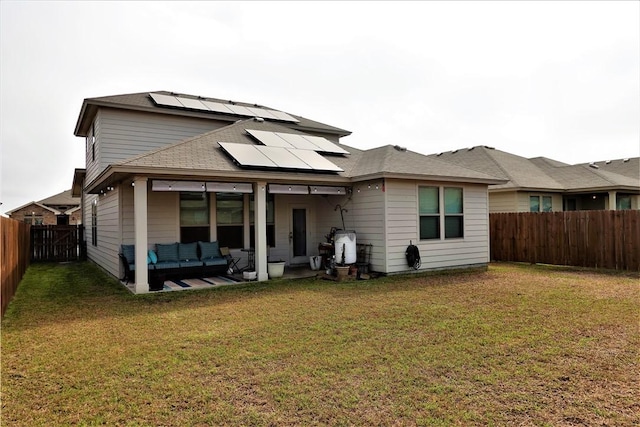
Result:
[[296, 141], [218, 107], [278, 157]]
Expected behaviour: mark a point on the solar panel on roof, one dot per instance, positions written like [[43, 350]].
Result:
[[261, 112], [277, 157], [269, 139], [283, 116], [293, 140], [192, 103], [282, 157], [166, 100], [316, 161], [298, 141], [247, 155], [217, 107], [325, 145], [239, 110]]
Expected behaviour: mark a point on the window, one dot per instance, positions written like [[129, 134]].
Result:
[[33, 219], [534, 203], [546, 203], [429, 209], [194, 217], [229, 216], [271, 229], [94, 223], [433, 219], [453, 217], [623, 202]]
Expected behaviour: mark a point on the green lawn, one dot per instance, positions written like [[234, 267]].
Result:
[[514, 345]]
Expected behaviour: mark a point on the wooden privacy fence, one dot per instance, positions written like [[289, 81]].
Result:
[[57, 243], [598, 239], [14, 256]]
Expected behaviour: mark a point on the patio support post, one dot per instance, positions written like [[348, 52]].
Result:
[[260, 223], [140, 226], [612, 200]]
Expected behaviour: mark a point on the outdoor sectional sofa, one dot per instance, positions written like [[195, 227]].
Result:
[[176, 260]]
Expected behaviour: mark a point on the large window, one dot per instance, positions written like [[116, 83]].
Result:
[[271, 229], [229, 217], [433, 218], [194, 217]]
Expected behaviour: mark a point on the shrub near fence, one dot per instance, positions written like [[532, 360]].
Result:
[[598, 239], [15, 257]]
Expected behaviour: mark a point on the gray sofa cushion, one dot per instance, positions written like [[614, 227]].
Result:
[[167, 252], [209, 250], [188, 251]]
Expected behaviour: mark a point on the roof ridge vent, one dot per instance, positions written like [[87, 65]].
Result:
[[470, 148], [625, 160], [258, 119], [399, 148], [607, 162], [593, 165], [454, 151]]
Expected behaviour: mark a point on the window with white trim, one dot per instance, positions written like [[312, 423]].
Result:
[[433, 219]]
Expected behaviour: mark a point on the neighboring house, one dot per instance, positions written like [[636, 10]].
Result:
[[60, 209], [543, 185], [165, 168]]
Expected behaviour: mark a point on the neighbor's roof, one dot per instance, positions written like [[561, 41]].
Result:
[[55, 211], [544, 174], [143, 102], [201, 157], [63, 198], [519, 171]]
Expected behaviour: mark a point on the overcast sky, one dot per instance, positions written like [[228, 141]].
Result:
[[553, 79]]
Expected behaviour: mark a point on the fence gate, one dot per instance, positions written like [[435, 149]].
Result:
[[57, 243]]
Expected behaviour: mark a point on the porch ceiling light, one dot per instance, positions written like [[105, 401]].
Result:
[[177, 186], [328, 190], [288, 189], [229, 187]]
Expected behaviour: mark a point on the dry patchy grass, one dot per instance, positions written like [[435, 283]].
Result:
[[514, 345]]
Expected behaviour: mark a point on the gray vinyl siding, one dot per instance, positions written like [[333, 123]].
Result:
[[367, 215], [105, 254], [121, 135], [163, 217], [403, 227]]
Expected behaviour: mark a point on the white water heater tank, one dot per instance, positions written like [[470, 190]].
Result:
[[345, 241]]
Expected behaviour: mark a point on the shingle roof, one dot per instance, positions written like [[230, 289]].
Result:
[[521, 172], [584, 177], [390, 159], [627, 167], [63, 198], [544, 173], [142, 101]]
